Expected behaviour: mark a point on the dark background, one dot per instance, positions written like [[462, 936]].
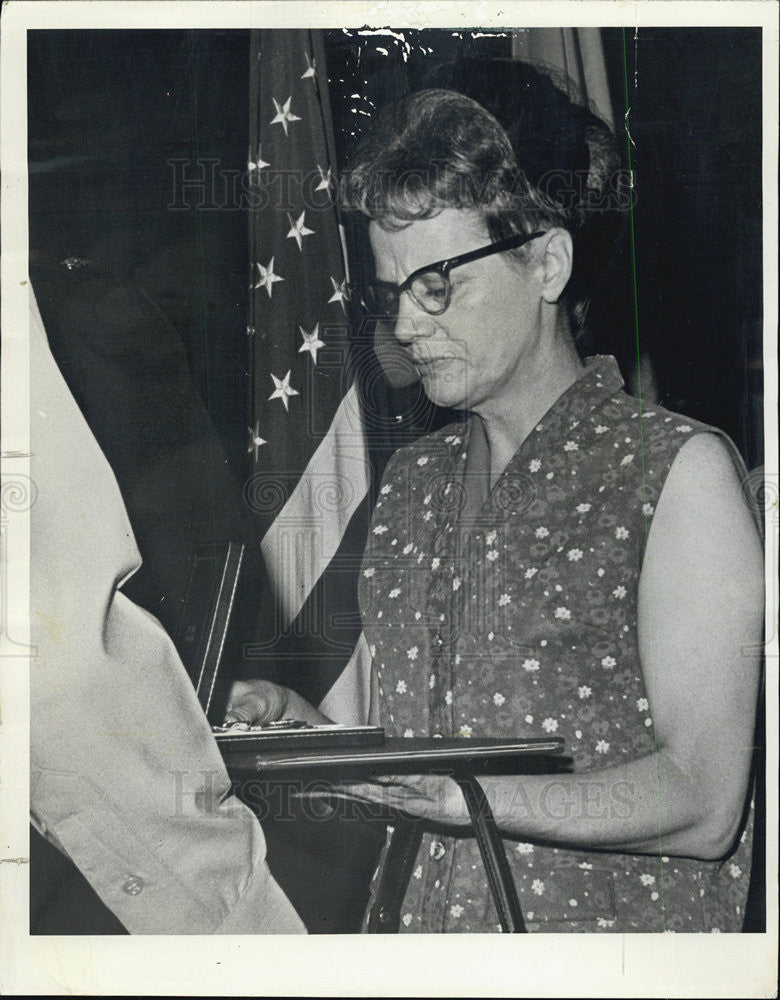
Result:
[[146, 307]]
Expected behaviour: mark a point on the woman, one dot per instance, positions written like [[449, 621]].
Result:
[[564, 560]]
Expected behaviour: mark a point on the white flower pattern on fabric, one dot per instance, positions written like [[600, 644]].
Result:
[[537, 886], [575, 616]]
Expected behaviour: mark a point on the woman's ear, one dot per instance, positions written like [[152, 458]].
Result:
[[557, 260]]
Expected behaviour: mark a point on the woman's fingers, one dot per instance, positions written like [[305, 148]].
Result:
[[255, 702], [385, 792], [426, 796]]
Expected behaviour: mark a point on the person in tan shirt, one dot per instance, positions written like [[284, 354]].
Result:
[[125, 776]]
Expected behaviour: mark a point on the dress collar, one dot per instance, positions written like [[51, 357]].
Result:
[[600, 379]]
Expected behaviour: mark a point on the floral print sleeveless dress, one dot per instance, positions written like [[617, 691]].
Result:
[[526, 624]]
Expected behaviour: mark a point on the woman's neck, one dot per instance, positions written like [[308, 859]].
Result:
[[543, 383]]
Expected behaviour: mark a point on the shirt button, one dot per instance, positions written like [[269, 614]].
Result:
[[384, 916], [437, 850], [132, 885]]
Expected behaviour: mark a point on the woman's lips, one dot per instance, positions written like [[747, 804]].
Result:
[[434, 360]]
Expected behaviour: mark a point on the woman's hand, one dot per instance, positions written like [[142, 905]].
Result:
[[433, 797], [256, 702]]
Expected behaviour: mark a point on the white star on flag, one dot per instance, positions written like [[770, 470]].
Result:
[[326, 179], [311, 67], [267, 277], [255, 441], [283, 390], [340, 292], [298, 229], [283, 114], [311, 342], [258, 163]]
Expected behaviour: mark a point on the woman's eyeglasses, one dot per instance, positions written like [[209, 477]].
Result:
[[429, 287]]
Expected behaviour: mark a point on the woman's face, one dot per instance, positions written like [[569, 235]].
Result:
[[476, 355]]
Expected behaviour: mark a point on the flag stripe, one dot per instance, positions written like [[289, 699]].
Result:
[[349, 699], [311, 653], [308, 530]]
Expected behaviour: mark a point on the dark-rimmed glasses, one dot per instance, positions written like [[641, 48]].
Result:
[[429, 286]]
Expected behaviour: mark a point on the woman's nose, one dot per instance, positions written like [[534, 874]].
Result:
[[412, 322]]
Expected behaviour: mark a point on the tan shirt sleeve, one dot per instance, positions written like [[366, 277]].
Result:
[[125, 775]]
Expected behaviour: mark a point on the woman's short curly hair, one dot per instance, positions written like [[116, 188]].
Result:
[[550, 163]]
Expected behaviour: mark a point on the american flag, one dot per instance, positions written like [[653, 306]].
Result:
[[310, 479]]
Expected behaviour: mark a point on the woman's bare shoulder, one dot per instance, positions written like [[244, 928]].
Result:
[[704, 519]]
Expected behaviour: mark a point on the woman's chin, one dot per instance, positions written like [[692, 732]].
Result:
[[444, 388]]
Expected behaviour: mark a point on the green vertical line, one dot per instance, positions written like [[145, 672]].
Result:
[[641, 429]]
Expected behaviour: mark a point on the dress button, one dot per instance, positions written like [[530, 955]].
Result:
[[437, 850], [132, 885], [384, 916]]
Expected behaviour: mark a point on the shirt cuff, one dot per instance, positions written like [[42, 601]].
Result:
[[262, 909]]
